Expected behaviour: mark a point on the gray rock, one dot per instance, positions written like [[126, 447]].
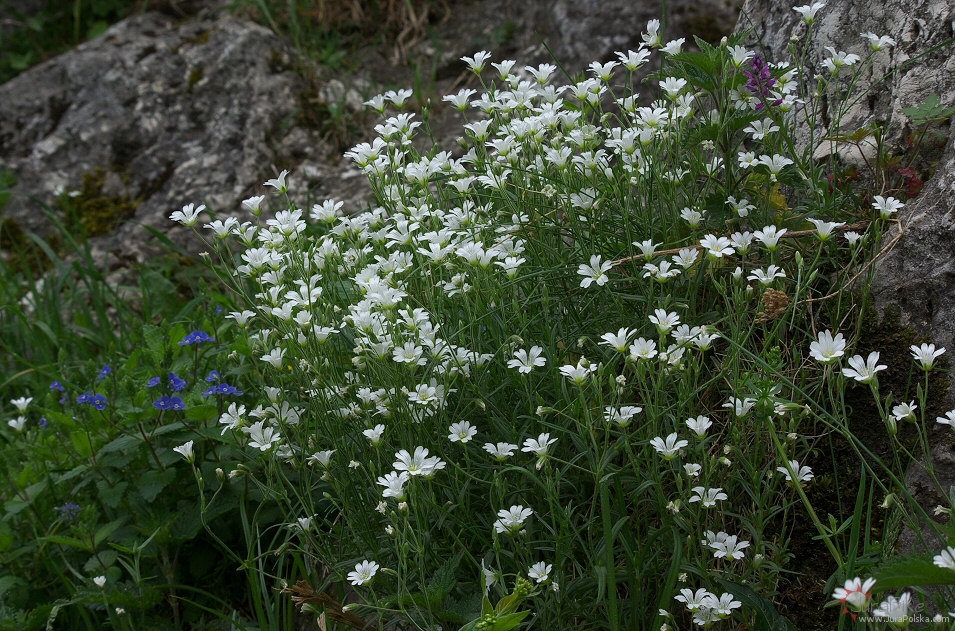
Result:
[[164, 113]]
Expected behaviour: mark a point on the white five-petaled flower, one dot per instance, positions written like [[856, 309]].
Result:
[[699, 425], [21, 403], [769, 236], [708, 497], [926, 354], [540, 571], [878, 42], [887, 206], [767, 276], [894, 610], [863, 370], [418, 463], [100, 581], [18, 423], [664, 321], [279, 182], [808, 12], [803, 473], [374, 434], [717, 247], [394, 484], [539, 446], [621, 416], [904, 411], [461, 432], [827, 348], [363, 573], [595, 272], [500, 450], [670, 446], [476, 63], [855, 593], [511, 519], [617, 341], [824, 228], [579, 373], [948, 419], [185, 450], [189, 215], [946, 559], [525, 360]]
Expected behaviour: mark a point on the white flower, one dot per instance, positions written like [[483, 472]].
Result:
[[664, 321], [827, 348], [643, 349], [461, 432], [673, 47], [824, 228], [185, 450], [727, 546], [525, 361], [364, 573], [808, 12], [622, 416], [876, 42], [21, 403], [188, 216], [699, 425], [768, 276], [692, 469], [394, 484], [539, 446], [717, 247], [374, 434], [419, 463], [838, 59], [803, 474], [769, 236], [617, 341], [540, 571], [670, 447], [904, 411], [948, 419], [946, 559], [511, 519], [323, 458], [260, 436], [579, 373], [708, 497], [861, 370], [894, 610], [476, 63], [594, 272], [279, 182], [18, 423], [274, 357], [100, 581], [855, 593], [740, 407], [500, 450], [926, 354]]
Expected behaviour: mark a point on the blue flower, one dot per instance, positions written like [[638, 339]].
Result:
[[176, 383], [56, 385], [105, 371], [169, 403], [195, 337], [222, 388], [43, 423], [97, 400], [152, 383], [213, 376], [68, 511]]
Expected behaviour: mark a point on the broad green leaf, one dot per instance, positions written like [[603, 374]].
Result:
[[508, 622], [111, 496], [911, 572], [151, 483]]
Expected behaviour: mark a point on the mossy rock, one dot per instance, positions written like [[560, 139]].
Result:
[[93, 213]]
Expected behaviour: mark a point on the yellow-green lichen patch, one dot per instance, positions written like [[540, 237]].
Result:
[[93, 213]]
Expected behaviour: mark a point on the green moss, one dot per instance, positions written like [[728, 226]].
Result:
[[93, 213], [195, 76]]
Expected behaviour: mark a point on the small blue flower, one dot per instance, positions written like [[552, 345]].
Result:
[[106, 370], [176, 383], [213, 376], [169, 403], [218, 310], [68, 511], [86, 397], [56, 385], [222, 388], [195, 337], [99, 402], [152, 383], [43, 423]]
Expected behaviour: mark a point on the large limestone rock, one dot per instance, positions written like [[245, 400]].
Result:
[[154, 114]]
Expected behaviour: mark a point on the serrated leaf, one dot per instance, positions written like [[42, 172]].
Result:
[[202, 412], [911, 572], [106, 530], [767, 618], [111, 496], [151, 483]]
